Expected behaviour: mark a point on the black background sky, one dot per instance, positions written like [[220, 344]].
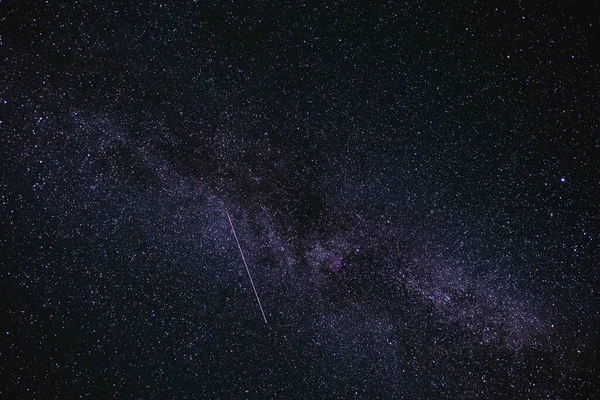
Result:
[[415, 187]]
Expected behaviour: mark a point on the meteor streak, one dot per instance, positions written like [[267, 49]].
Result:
[[246, 265]]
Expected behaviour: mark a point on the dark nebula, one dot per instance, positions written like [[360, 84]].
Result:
[[414, 186]]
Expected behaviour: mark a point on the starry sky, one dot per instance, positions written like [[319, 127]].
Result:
[[414, 187]]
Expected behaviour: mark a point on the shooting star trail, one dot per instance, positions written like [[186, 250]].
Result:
[[246, 265]]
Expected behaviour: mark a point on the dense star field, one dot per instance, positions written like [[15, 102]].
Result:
[[415, 188]]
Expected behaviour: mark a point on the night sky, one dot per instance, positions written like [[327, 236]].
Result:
[[414, 186]]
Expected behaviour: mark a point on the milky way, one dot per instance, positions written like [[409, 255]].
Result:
[[412, 187]]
